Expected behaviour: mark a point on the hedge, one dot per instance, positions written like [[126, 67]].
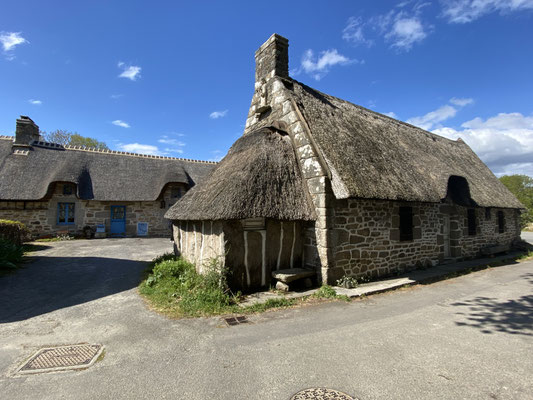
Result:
[[14, 231]]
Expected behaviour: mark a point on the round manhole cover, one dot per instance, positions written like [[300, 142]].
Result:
[[321, 394]]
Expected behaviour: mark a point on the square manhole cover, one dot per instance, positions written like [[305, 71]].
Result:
[[62, 358]]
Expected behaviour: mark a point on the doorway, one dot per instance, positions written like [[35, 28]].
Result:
[[118, 221]]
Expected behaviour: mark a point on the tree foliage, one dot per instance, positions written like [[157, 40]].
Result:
[[522, 187], [63, 137]]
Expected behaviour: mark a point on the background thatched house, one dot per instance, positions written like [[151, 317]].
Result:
[[385, 195], [53, 188]]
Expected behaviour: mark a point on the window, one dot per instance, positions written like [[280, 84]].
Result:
[[471, 213], [68, 189], [65, 213], [406, 223], [175, 192], [488, 214], [501, 222]]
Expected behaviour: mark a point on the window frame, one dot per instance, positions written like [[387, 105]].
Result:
[[406, 225], [70, 210]]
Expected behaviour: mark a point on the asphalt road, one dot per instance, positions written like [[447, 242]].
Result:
[[469, 337]]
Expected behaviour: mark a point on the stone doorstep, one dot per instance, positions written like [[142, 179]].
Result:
[[292, 274], [410, 278]]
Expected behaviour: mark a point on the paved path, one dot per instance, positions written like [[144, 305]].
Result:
[[466, 338]]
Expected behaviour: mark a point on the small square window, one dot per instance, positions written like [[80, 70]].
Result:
[[406, 224], [68, 189], [175, 192]]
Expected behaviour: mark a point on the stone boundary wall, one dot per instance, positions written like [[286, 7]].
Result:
[[367, 236]]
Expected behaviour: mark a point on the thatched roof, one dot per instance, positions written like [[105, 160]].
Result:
[[99, 175], [259, 177], [373, 156]]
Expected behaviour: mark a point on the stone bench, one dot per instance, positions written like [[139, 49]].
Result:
[[285, 276], [492, 250]]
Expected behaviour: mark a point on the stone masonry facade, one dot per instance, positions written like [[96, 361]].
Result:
[[41, 216], [367, 240]]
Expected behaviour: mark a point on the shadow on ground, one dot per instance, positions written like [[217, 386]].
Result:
[[490, 315], [52, 283]]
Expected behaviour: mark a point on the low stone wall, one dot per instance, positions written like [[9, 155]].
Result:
[[366, 234]]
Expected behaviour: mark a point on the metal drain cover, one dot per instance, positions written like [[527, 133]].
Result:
[[231, 321], [321, 394], [62, 358]]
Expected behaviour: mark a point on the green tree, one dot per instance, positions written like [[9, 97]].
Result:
[[522, 187], [63, 137]]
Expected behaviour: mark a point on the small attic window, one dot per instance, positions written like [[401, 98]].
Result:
[[175, 192], [68, 189]]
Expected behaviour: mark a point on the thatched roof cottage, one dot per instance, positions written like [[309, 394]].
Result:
[[62, 189], [323, 184]]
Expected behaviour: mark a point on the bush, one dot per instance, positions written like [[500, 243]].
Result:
[[14, 232], [174, 285], [10, 254]]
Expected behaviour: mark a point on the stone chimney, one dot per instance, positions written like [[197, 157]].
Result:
[[272, 59], [26, 131]]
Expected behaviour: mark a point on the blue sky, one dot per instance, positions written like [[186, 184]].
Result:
[[176, 78]]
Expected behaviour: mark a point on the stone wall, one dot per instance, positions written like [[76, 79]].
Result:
[[41, 216], [367, 240]]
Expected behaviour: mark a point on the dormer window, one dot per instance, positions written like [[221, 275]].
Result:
[[68, 189]]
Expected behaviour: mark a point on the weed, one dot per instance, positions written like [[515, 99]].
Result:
[[347, 282], [325, 292]]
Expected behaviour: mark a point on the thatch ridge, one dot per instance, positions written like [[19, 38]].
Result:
[[374, 156], [258, 178]]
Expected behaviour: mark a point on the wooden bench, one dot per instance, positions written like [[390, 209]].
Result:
[[286, 276]]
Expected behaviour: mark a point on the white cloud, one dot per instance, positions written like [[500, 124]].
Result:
[[120, 123], [504, 142], [353, 32], [175, 143], [132, 72], [402, 27], [9, 41], [218, 114], [463, 11], [432, 119], [35, 102], [405, 32], [139, 148], [116, 96], [391, 114], [217, 155], [318, 67], [461, 102]]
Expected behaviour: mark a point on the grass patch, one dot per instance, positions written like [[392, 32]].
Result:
[[525, 257], [173, 287]]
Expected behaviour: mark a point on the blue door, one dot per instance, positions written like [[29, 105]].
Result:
[[118, 220]]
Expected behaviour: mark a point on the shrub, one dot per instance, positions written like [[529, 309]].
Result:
[[14, 231], [10, 254], [325, 292]]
